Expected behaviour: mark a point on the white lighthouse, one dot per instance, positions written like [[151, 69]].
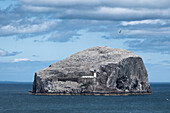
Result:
[[94, 74]]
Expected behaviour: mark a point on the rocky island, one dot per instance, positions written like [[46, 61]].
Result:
[[94, 71]]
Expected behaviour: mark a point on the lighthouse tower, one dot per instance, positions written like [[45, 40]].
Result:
[[94, 74]]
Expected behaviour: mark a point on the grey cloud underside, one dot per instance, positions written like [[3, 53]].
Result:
[[99, 12], [150, 45], [108, 3], [98, 9], [144, 37], [146, 43], [63, 36]]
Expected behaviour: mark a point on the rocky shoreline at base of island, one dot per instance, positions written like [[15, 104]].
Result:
[[95, 93]]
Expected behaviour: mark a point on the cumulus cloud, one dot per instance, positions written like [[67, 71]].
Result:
[[4, 53], [17, 28], [161, 45], [63, 36], [157, 21], [21, 59], [109, 3], [144, 36], [96, 9], [67, 30], [102, 13], [38, 9], [100, 10]]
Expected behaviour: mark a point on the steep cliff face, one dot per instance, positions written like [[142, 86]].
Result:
[[117, 70]]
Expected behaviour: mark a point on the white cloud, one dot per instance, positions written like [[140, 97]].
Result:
[[14, 28], [157, 21], [4, 53], [21, 59], [165, 31], [37, 8], [102, 12], [110, 3], [63, 36]]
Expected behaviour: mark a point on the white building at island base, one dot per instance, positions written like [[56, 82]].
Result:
[[94, 75]]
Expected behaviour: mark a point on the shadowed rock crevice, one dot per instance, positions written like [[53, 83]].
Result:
[[96, 70]]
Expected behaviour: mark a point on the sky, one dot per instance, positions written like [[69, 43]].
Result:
[[37, 33]]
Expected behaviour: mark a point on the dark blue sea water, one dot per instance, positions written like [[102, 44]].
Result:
[[15, 99]]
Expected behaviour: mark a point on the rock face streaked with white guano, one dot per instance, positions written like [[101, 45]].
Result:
[[118, 71]]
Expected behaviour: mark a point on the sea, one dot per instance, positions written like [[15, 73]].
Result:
[[14, 98]]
